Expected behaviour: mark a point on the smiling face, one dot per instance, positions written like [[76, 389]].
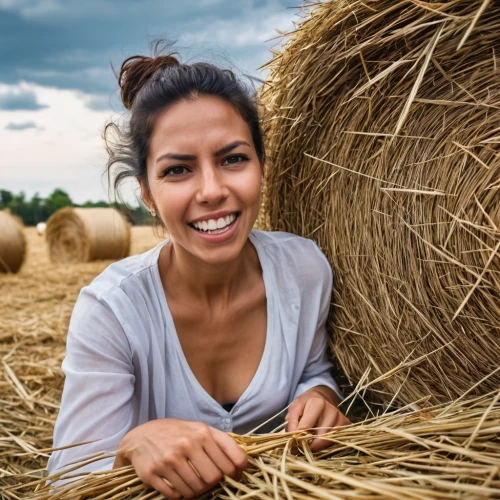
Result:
[[204, 178]]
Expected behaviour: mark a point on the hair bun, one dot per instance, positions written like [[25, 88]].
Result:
[[136, 71]]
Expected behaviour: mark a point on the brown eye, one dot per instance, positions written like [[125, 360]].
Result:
[[234, 159], [177, 170]]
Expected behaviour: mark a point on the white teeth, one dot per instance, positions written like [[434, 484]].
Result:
[[215, 225]]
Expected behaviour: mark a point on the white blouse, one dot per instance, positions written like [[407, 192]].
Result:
[[125, 366]]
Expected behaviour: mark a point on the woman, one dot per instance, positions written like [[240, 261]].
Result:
[[216, 329]]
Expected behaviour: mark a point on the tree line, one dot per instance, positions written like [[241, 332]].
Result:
[[39, 209]]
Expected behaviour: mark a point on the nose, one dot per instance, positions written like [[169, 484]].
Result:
[[211, 189]]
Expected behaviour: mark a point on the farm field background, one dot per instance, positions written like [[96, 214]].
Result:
[[35, 309]]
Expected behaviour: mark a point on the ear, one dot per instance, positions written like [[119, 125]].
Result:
[[146, 195]]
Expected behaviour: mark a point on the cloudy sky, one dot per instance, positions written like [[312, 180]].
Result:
[[57, 89]]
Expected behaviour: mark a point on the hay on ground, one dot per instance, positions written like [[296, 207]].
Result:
[[449, 451], [87, 234], [383, 124], [12, 243]]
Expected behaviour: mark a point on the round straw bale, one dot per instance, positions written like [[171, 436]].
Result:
[[383, 125], [12, 243], [86, 234]]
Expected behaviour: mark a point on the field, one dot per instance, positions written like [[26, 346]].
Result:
[[35, 308], [447, 451]]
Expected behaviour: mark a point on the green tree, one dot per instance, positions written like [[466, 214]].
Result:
[[34, 211], [17, 205], [39, 209], [5, 198], [95, 204], [56, 200]]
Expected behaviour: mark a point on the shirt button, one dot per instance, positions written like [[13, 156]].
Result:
[[227, 421], [296, 307]]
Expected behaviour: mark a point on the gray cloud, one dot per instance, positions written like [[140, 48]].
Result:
[[70, 44], [21, 126], [25, 100], [98, 103], [103, 102]]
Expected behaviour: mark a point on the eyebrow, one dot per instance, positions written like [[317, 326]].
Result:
[[219, 152]]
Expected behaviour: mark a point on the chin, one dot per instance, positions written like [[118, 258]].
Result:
[[222, 254]]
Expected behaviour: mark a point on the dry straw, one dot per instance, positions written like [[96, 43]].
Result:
[[12, 243], [87, 234], [446, 452], [383, 123]]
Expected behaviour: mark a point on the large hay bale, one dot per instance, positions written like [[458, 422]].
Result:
[[12, 243], [87, 234], [383, 123]]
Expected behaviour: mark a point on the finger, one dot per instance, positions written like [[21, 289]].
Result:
[[167, 491], [230, 448], [120, 460], [294, 414], [189, 474], [327, 420], [219, 460], [206, 468], [325, 424], [173, 477], [312, 412], [343, 420]]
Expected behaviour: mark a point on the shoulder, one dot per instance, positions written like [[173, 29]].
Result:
[[290, 247], [294, 255], [119, 296], [130, 272]]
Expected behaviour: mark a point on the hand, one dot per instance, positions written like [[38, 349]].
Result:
[[192, 456], [316, 407]]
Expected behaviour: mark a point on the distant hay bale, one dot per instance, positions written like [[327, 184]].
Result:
[[12, 243], [383, 125], [87, 234], [40, 228]]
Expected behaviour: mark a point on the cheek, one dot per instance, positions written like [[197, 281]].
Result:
[[171, 200], [249, 186]]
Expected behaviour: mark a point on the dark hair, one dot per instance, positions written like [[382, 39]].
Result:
[[149, 85]]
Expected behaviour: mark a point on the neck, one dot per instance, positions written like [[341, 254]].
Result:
[[207, 283]]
